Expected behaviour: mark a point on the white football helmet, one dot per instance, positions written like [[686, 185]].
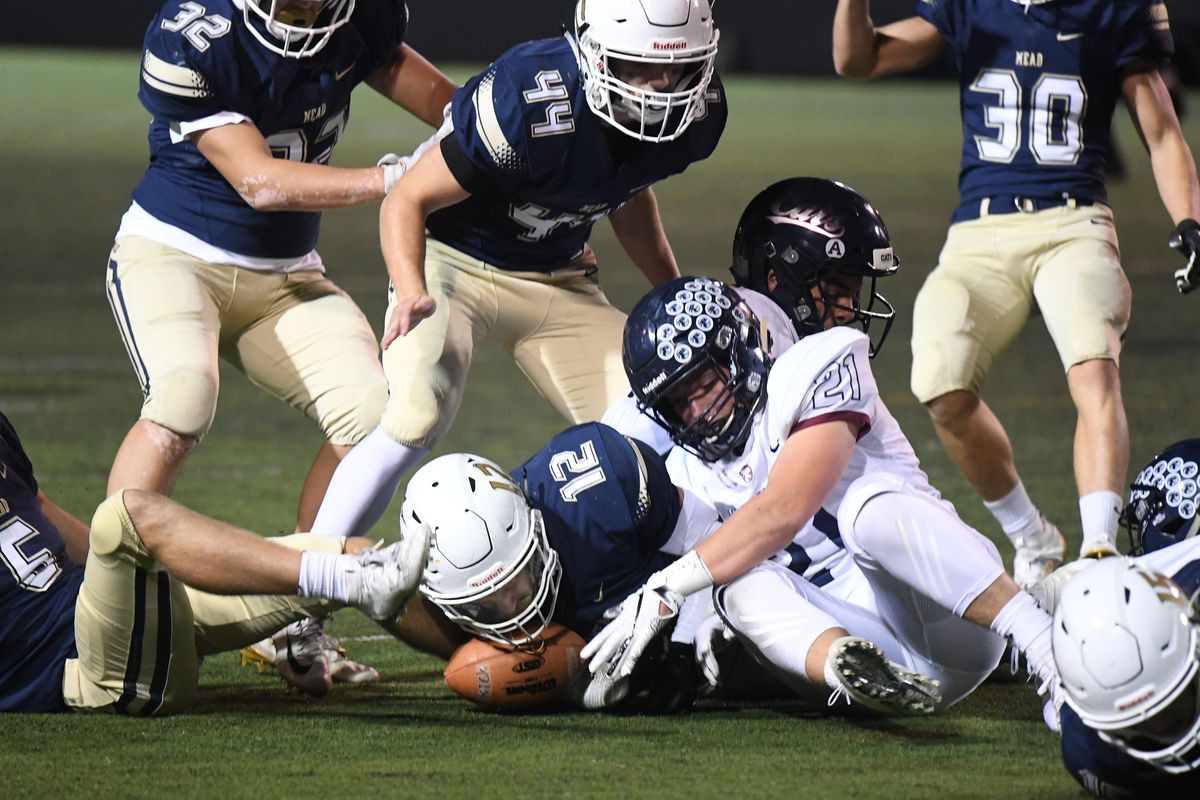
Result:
[[1127, 644], [491, 569], [290, 27], [616, 36]]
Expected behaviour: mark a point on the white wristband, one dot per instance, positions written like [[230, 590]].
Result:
[[687, 575]]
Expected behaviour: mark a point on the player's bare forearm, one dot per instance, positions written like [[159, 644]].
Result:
[[862, 51], [242, 156], [639, 229], [1171, 159], [798, 483], [74, 533], [416, 85]]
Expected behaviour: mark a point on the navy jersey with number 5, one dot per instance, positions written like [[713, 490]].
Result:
[[38, 587], [541, 167], [1038, 87], [200, 60], [608, 506], [1106, 771]]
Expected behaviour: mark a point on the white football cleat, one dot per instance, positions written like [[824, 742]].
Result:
[[383, 580], [262, 655], [1038, 555], [300, 656], [868, 678], [1046, 591]]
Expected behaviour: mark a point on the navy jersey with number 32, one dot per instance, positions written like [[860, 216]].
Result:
[[38, 587], [608, 506], [199, 60], [1038, 87]]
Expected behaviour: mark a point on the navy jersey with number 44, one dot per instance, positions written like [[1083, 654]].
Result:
[[38, 587], [199, 60], [1106, 771], [541, 167], [608, 506], [1039, 84]]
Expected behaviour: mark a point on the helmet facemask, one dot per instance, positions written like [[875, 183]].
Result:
[[514, 610], [295, 28], [703, 334], [814, 304]]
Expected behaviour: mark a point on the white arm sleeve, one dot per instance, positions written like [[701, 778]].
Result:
[[628, 420]]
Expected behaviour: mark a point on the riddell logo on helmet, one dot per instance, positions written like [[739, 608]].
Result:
[[669, 45], [475, 583], [1132, 702]]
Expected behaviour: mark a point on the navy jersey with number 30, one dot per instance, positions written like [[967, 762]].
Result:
[[608, 505], [1039, 84], [38, 587]]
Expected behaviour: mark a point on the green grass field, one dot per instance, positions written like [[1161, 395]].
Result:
[[71, 150]]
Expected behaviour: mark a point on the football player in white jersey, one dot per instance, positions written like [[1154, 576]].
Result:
[[805, 444]]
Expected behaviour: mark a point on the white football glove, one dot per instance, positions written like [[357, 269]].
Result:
[[394, 167], [643, 615], [598, 692], [712, 636]]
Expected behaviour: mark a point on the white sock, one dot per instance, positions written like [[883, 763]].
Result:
[[325, 575], [1029, 628], [831, 676], [364, 484], [1016, 513], [1098, 511]]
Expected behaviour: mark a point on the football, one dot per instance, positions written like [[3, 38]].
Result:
[[498, 678]]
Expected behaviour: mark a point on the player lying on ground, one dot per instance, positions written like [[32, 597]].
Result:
[[1127, 643], [815, 424], [161, 587]]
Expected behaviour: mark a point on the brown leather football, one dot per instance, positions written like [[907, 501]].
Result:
[[515, 679]]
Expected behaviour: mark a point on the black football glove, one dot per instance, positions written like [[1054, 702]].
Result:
[[1186, 239], [672, 681]]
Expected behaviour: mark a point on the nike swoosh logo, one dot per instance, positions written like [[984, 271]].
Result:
[[775, 447], [299, 668], [337, 76], [600, 594], [1066, 37]]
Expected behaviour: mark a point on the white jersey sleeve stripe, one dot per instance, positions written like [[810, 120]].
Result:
[[172, 79], [855, 418]]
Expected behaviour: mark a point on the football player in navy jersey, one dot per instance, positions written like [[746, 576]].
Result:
[[1127, 643], [1039, 80], [486, 238], [216, 256], [120, 625], [566, 537]]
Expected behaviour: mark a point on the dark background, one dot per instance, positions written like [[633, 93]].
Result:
[[766, 36]]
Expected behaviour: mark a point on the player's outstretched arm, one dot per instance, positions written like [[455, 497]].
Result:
[[809, 466], [862, 51], [413, 83], [427, 186], [241, 154], [639, 229], [1174, 167]]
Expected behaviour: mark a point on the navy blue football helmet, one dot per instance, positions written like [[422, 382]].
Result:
[[682, 328], [1164, 499], [800, 232]]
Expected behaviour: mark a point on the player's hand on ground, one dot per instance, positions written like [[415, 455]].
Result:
[[642, 616], [1186, 239], [407, 314], [712, 636]]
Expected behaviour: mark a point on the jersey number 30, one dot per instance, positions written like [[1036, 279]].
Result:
[[1055, 135]]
